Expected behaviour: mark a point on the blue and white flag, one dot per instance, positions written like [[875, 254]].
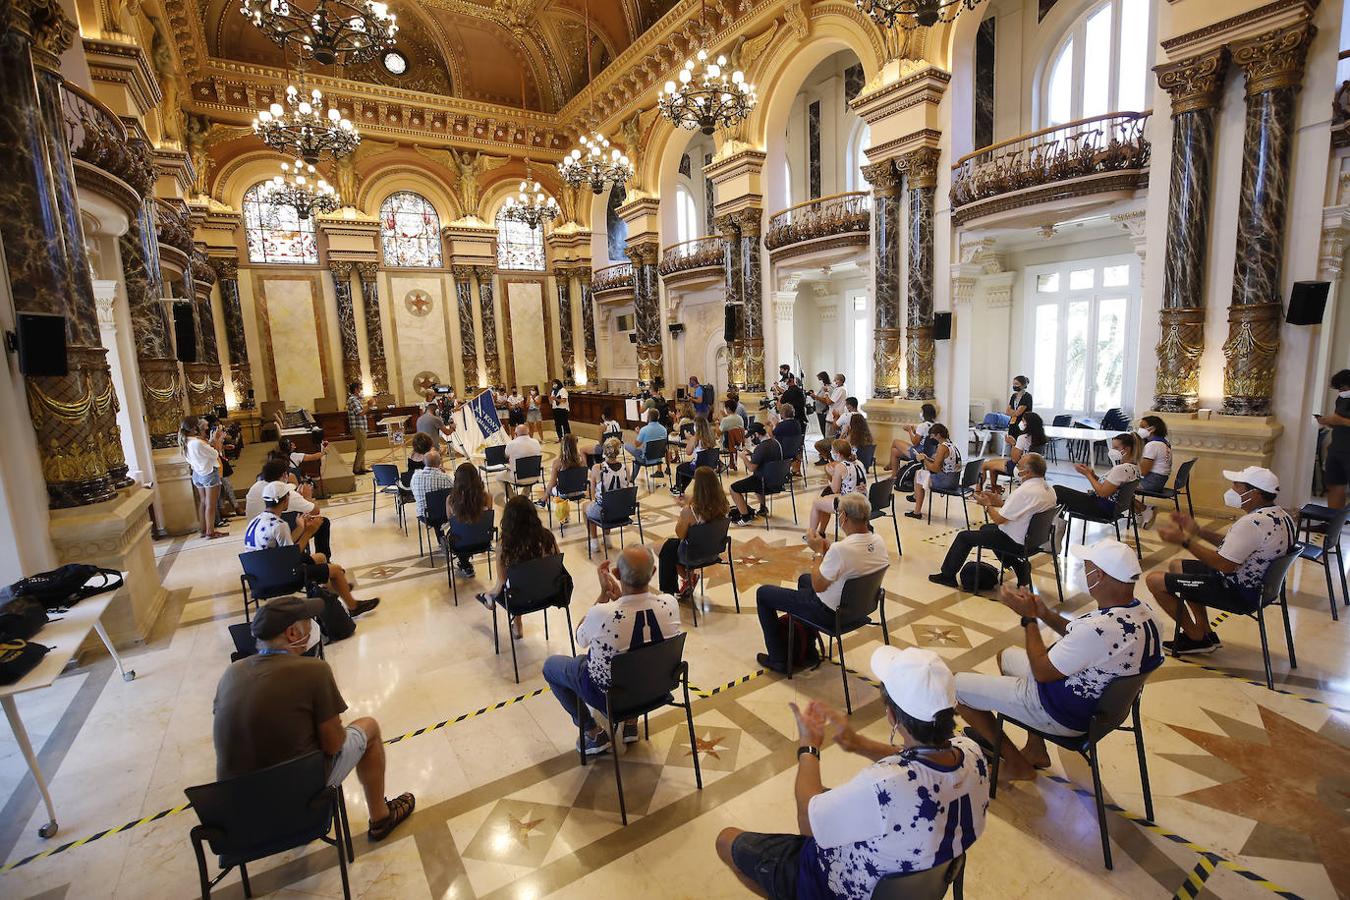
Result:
[[478, 424]]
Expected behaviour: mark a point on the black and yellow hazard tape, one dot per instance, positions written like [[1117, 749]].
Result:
[[700, 692], [1195, 882], [464, 717], [107, 832]]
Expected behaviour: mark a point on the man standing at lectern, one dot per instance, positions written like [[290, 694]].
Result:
[[356, 424]]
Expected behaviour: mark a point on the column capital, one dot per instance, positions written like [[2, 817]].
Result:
[[1195, 82], [883, 177], [462, 273], [1274, 59], [367, 271], [583, 273], [1134, 224], [226, 268], [748, 220], [645, 253], [341, 269], [919, 166], [46, 25], [964, 278], [484, 273], [727, 226]]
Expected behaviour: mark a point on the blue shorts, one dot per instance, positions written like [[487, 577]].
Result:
[[1153, 481], [353, 748], [209, 480]]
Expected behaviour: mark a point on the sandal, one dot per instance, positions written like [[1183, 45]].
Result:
[[399, 809], [913, 515], [217, 534]]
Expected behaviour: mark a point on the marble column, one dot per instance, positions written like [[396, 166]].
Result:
[[370, 302], [646, 309], [588, 326], [236, 344], [492, 361], [351, 347], [729, 228], [1196, 86], [886, 181], [203, 279], [1273, 65], [563, 279], [161, 386], [920, 168], [752, 296], [468, 343]]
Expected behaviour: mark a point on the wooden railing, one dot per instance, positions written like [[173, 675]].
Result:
[[823, 217], [98, 137], [1100, 144], [699, 253], [619, 275]]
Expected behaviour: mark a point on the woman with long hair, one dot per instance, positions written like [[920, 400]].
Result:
[[1155, 463], [1031, 440], [523, 538], [610, 474], [468, 501], [846, 475], [203, 457], [707, 502], [941, 469], [421, 446], [1100, 499], [569, 457], [918, 435], [702, 438], [859, 432]]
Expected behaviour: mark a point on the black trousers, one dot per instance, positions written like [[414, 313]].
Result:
[[684, 473], [1083, 503], [560, 423], [321, 541], [992, 537], [667, 560]]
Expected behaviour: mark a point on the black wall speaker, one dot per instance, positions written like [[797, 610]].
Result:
[[731, 322], [1307, 302], [676, 328], [185, 336], [942, 326], [632, 337], [42, 344]]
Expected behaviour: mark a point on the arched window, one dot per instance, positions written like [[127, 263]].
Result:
[[616, 229], [1114, 37], [861, 137], [519, 246], [686, 214], [410, 231], [275, 233]]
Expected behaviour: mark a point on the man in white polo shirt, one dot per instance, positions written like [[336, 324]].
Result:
[[1006, 531], [522, 446], [1056, 689], [818, 592]]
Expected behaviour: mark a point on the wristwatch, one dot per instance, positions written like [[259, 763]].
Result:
[[1028, 620], [802, 751]]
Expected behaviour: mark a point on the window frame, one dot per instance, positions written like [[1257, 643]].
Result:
[[303, 226], [389, 263], [503, 225], [1077, 32]]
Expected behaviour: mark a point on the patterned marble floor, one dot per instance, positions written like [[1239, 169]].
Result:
[[1250, 785]]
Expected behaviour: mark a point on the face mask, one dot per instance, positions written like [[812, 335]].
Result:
[[1143, 433], [834, 455], [1092, 585], [1232, 498], [300, 644], [1114, 455], [1017, 388], [1343, 394]]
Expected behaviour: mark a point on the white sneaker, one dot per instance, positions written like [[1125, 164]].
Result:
[[1147, 516]]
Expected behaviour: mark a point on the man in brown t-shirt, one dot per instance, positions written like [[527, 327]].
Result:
[[279, 704]]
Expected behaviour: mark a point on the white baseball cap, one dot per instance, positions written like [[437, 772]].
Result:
[[1112, 557], [1257, 477], [275, 491], [916, 680]]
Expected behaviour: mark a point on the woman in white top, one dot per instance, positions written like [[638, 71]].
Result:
[[609, 428], [941, 470], [700, 439], [561, 409], [1155, 463], [534, 413], [610, 474], [847, 476], [906, 449], [1031, 440], [1101, 499], [203, 458]]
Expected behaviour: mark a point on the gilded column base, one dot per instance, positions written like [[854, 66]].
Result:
[[379, 376], [1220, 442], [162, 393], [65, 414], [888, 418], [243, 383], [754, 365], [1250, 353], [351, 372], [735, 365], [494, 369], [886, 372], [1180, 344], [201, 387], [107, 435], [592, 367], [919, 353], [649, 362]]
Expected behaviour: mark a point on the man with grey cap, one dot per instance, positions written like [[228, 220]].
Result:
[[278, 704], [1229, 574], [919, 805], [1056, 689], [626, 616]]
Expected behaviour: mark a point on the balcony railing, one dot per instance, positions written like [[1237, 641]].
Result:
[[619, 275], [1114, 142], [824, 217], [699, 253], [98, 137]]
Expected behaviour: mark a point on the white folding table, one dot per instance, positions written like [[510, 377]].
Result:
[[64, 635], [1090, 436]]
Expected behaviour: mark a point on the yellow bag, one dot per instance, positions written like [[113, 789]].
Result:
[[563, 508]]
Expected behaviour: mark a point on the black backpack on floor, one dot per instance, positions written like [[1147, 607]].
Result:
[[977, 577], [904, 482]]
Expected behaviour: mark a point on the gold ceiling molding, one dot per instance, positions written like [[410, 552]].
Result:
[[1244, 25], [125, 63]]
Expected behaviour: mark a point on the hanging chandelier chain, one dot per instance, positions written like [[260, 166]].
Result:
[[594, 163], [912, 14], [705, 98], [336, 32]]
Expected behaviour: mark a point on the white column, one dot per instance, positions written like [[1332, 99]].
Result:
[[965, 276], [827, 306], [781, 345], [117, 339]]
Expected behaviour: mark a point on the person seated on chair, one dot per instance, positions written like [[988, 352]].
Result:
[[767, 450], [652, 431], [1230, 573], [788, 425], [915, 808], [522, 446], [708, 503], [318, 529], [1056, 689], [279, 704], [298, 457], [684, 420], [846, 475], [1031, 440], [1155, 464], [421, 444], [468, 501], [1009, 517], [700, 439], [845, 418], [941, 470], [523, 538], [855, 429], [626, 616], [902, 448], [569, 457], [732, 428], [610, 474], [819, 591], [610, 427], [269, 530], [431, 477], [1100, 499]]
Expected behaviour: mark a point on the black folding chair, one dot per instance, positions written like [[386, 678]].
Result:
[[469, 539], [1052, 447], [965, 489], [619, 508], [1118, 702], [642, 681], [793, 447], [867, 455], [529, 472], [245, 644], [1331, 546], [433, 518], [1181, 484], [1040, 539], [385, 482], [405, 496], [1123, 509], [703, 546], [930, 884], [254, 816], [534, 586], [573, 486], [494, 460], [776, 478], [861, 597], [273, 572], [881, 497], [654, 457]]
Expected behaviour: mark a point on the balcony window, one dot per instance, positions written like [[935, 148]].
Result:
[[276, 233], [519, 246], [410, 231], [1114, 37], [686, 214]]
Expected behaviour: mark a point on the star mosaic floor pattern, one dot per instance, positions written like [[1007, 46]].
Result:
[[1249, 784]]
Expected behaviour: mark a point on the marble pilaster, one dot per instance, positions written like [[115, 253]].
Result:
[[752, 297], [920, 169], [886, 183], [588, 326], [370, 302], [729, 227], [646, 309], [346, 313], [468, 343], [562, 278], [236, 345], [492, 361], [1273, 65]]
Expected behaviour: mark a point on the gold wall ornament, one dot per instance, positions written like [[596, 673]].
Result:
[[919, 167], [1275, 59], [1179, 348], [920, 353], [47, 26], [886, 364], [1250, 354], [884, 178], [1195, 82]]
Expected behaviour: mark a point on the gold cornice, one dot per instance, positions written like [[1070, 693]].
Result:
[[1235, 28], [1196, 82], [924, 137], [1275, 59], [115, 61], [924, 86]]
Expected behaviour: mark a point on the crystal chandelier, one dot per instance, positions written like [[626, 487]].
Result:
[[306, 127], [595, 162], [533, 207], [337, 31], [911, 14], [707, 99], [301, 188]]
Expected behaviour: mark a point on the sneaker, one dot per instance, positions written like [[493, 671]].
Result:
[[465, 571], [909, 497], [1185, 646], [1213, 640], [486, 600], [365, 606], [594, 746], [762, 512], [542, 504], [943, 579], [748, 519], [1147, 516], [630, 732], [399, 809]]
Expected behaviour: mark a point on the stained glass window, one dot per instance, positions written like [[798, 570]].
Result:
[[410, 231], [519, 246], [277, 234]]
